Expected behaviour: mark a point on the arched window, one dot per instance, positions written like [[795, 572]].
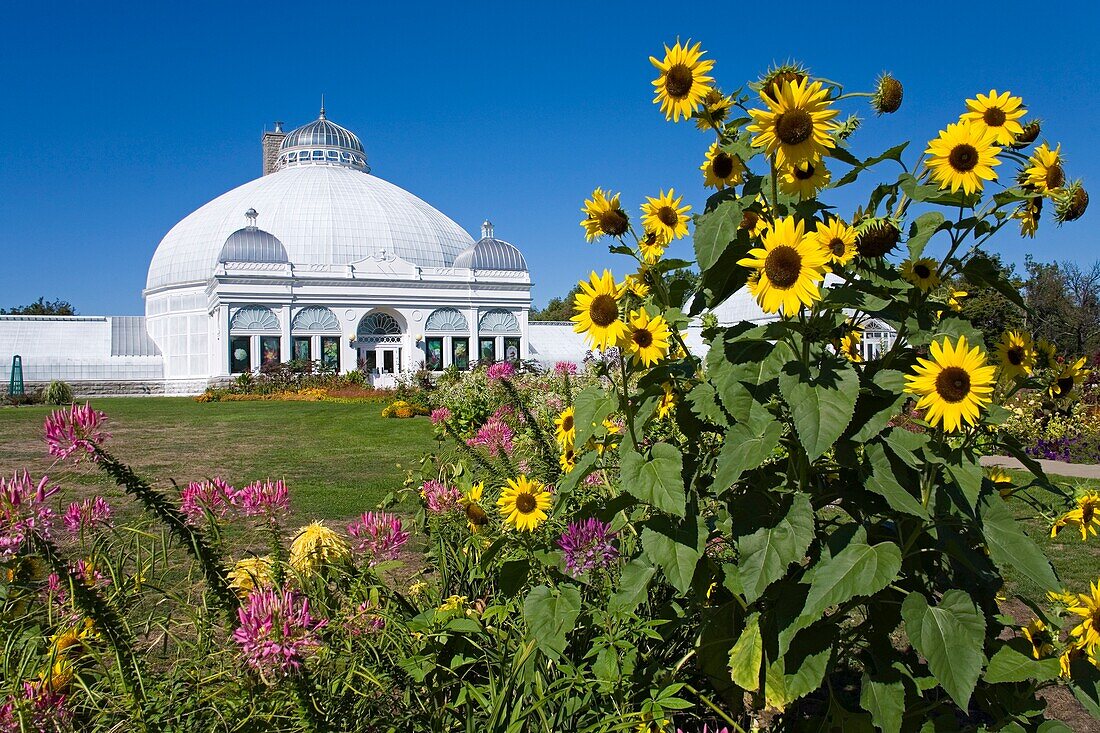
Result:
[[316, 319], [446, 320], [254, 319], [378, 324], [498, 321]]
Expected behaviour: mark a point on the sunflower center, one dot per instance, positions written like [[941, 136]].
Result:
[[1015, 356], [567, 423], [1065, 385], [794, 127], [1056, 177], [642, 337], [783, 266], [722, 165], [604, 310], [963, 158], [613, 222], [994, 117], [1087, 512], [668, 216], [922, 271], [525, 503], [476, 515], [804, 174], [678, 81], [837, 246], [749, 220], [953, 384]]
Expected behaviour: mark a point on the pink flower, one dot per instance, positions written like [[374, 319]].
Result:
[[379, 535], [500, 370], [439, 497], [262, 498], [215, 496], [496, 436], [555, 403], [76, 430], [87, 571], [276, 631], [593, 479], [23, 511], [84, 515], [440, 415], [587, 545], [365, 620], [706, 730], [565, 367], [43, 709]]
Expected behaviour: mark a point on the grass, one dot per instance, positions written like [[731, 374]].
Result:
[[337, 459]]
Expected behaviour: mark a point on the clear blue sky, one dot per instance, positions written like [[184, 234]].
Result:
[[118, 119]]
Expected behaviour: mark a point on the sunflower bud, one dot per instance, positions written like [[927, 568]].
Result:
[[1032, 128], [888, 94], [877, 238], [476, 515], [1070, 202], [772, 83]]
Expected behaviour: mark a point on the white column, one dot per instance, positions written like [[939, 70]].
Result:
[[285, 344], [475, 337], [221, 360], [524, 337], [349, 355]]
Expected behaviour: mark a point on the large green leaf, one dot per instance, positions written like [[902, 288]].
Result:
[[922, 229], [821, 403], [591, 406], [742, 372], [715, 230], [1012, 663], [703, 399], [885, 480], [656, 480], [766, 553], [747, 654], [676, 547], [884, 699], [798, 672], [878, 402], [857, 570], [551, 615], [1009, 546], [633, 586], [950, 637], [743, 450]]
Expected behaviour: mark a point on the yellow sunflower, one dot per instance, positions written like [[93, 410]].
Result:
[[636, 285], [721, 169], [665, 216], [683, 82], [524, 503], [568, 459], [754, 222], [316, 545], [1002, 481], [1044, 172], [954, 302], [1040, 638], [597, 307], [604, 215], [921, 273], [1087, 633], [963, 157], [1085, 515], [647, 337], [651, 246], [564, 427], [249, 574], [998, 114], [1069, 377], [804, 179], [1072, 652], [667, 402], [1028, 213], [471, 503], [1016, 354], [849, 346], [796, 126], [837, 239], [716, 108], [954, 386], [789, 265]]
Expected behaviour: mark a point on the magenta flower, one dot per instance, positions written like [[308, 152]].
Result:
[[215, 496], [276, 631], [439, 497], [587, 545], [379, 535], [86, 514], [565, 367], [42, 708], [440, 415], [265, 498], [88, 572], [500, 370], [365, 620], [593, 479], [23, 511], [76, 430], [496, 436], [706, 730]]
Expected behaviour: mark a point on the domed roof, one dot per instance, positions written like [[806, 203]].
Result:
[[322, 142], [321, 214], [252, 244], [489, 253]]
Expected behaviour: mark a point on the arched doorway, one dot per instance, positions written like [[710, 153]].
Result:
[[379, 340]]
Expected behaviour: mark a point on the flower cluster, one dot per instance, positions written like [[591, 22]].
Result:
[[379, 535], [215, 496], [276, 631], [23, 511], [500, 370], [495, 436], [263, 498], [315, 546], [563, 368], [440, 415], [439, 497], [77, 430], [587, 545], [39, 708], [86, 514]]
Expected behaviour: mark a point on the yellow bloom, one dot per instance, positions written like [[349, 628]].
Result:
[[954, 386], [471, 503], [667, 402], [568, 459], [1016, 354], [250, 573], [837, 239], [418, 588], [316, 545], [1062, 598], [636, 285], [963, 157], [1028, 214], [1072, 652], [566, 430], [665, 216], [524, 503], [789, 267], [1040, 638], [1046, 354], [997, 114], [682, 83], [1071, 375], [1044, 172], [721, 169], [651, 246], [1087, 606], [1085, 515], [1002, 480], [804, 179], [796, 126], [603, 215], [921, 273], [955, 301], [597, 307], [754, 222], [452, 604], [647, 337], [716, 108], [849, 345]]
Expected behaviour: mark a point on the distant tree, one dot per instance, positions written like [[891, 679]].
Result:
[[990, 311], [1064, 300], [41, 307]]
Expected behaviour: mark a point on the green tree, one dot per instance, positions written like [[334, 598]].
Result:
[[41, 307], [1064, 301]]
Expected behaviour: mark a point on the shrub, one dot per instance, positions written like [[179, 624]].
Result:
[[58, 393]]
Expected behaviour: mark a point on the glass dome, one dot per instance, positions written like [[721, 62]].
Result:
[[490, 253], [322, 142]]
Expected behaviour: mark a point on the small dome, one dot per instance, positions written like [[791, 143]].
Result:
[[489, 253], [322, 142], [252, 244]]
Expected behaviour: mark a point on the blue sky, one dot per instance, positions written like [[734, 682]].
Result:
[[119, 119]]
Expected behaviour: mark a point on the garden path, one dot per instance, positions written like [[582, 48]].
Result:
[[1057, 468]]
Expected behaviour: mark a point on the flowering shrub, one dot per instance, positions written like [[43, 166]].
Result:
[[403, 409]]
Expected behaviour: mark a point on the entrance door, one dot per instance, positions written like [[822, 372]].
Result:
[[380, 358]]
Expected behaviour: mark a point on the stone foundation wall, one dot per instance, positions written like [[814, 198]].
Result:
[[130, 388]]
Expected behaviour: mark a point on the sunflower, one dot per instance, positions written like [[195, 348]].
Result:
[[716, 108], [651, 247], [524, 503], [963, 157], [1086, 515], [1046, 354], [603, 215], [471, 503], [954, 301], [954, 386], [804, 179], [790, 265], [665, 216], [921, 273], [720, 169], [998, 114], [1016, 354], [1070, 654], [316, 545], [682, 84], [1044, 172], [667, 402], [771, 84], [796, 126], [568, 459], [849, 345], [754, 222], [1028, 214], [647, 338], [249, 574], [636, 285], [1087, 633], [597, 307], [837, 239], [1069, 377], [1040, 638], [564, 428], [1002, 481]]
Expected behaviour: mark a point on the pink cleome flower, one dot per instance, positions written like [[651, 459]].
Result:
[[496, 436], [500, 370], [41, 708], [565, 367], [86, 514], [23, 511], [276, 631], [77, 430], [588, 545], [379, 535], [440, 415], [215, 496], [262, 498], [439, 497]]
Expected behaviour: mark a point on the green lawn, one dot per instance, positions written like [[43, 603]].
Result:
[[337, 459]]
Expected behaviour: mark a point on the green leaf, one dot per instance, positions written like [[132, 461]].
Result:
[[747, 654], [715, 230], [744, 450], [656, 480], [921, 230], [591, 406], [885, 701], [633, 586], [1009, 546], [675, 547], [1011, 664], [798, 672], [950, 637], [766, 553], [857, 570], [550, 616], [885, 481], [967, 474], [742, 372], [982, 270], [821, 404], [513, 576], [878, 402], [704, 403]]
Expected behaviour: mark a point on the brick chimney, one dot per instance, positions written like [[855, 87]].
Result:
[[271, 142]]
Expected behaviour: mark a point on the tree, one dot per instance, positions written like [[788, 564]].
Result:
[[1064, 300], [41, 307]]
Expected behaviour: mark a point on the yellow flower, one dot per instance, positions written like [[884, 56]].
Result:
[[568, 459], [418, 588], [796, 125], [789, 265], [754, 222], [597, 307], [603, 215], [524, 503], [566, 430], [997, 114], [963, 157], [452, 604], [651, 246], [849, 345], [804, 179], [1085, 515], [1028, 214], [955, 301], [250, 573], [1040, 638], [1062, 598], [647, 337], [665, 216], [1002, 481], [1044, 172], [1087, 606], [716, 107], [682, 83], [1016, 354], [636, 285], [837, 239], [1071, 375], [316, 545], [667, 402], [954, 386], [1072, 652], [471, 503], [721, 169], [921, 273]]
